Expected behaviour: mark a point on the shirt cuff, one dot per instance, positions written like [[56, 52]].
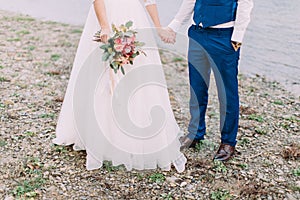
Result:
[[237, 36], [150, 2], [175, 25]]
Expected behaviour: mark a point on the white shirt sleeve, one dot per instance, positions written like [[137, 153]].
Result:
[[149, 2], [242, 19], [184, 14]]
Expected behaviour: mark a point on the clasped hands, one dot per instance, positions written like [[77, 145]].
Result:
[[167, 35]]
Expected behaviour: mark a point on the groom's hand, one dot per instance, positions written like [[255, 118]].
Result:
[[167, 35], [236, 45], [172, 34]]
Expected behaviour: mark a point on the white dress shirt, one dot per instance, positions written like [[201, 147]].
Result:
[[240, 24], [147, 2]]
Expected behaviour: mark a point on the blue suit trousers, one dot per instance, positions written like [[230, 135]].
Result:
[[210, 49]]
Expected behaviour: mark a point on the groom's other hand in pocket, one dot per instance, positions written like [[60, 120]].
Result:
[[236, 45], [167, 35]]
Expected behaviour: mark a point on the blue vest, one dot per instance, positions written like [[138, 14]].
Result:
[[214, 12]]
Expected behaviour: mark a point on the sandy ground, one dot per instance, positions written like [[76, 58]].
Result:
[[35, 63]]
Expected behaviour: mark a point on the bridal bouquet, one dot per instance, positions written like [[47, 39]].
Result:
[[122, 48]]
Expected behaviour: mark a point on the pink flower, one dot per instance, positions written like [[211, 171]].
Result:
[[119, 47], [127, 49], [118, 41]]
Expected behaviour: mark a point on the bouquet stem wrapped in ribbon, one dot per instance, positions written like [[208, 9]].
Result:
[[122, 48]]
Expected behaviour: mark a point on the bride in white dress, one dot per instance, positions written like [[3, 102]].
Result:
[[125, 119]]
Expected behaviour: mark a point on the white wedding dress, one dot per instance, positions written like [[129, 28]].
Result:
[[124, 119]]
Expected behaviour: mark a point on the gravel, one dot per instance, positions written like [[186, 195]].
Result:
[[35, 62]]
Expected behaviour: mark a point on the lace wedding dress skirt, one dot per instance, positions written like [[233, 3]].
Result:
[[124, 119]]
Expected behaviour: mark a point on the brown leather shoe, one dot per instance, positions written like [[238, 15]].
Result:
[[224, 153], [186, 142]]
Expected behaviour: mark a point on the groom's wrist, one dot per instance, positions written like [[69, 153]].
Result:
[[174, 25], [237, 35]]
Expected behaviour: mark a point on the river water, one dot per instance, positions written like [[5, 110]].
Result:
[[271, 46], [272, 43]]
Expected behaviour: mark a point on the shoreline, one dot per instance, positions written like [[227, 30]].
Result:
[[35, 62], [283, 75]]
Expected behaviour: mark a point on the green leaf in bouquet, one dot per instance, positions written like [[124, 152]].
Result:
[[139, 44], [131, 62], [111, 41], [132, 31], [120, 35], [112, 65], [128, 34], [122, 70], [109, 50], [116, 71], [105, 56], [123, 28], [114, 28], [129, 24], [111, 57], [115, 65], [104, 46], [135, 55]]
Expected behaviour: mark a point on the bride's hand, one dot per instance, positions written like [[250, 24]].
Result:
[[104, 35], [167, 35]]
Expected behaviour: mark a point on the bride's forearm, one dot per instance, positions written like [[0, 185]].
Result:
[[100, 11], [152, 10]]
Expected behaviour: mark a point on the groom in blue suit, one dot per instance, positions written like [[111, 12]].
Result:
[[214, 44]]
